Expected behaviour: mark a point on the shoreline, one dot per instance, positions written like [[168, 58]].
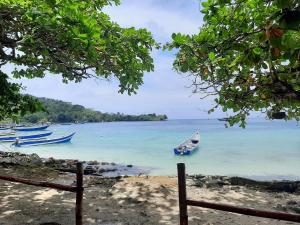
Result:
[[93, 167], [135, 200], [112, 169]]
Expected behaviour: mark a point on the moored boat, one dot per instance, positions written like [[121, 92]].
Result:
[[7, 133], [188, 146], [25, 137], [66, 123], [224, 119], [64, 139], [36, 128]]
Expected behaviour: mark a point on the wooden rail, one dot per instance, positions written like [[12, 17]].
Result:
[[78, 188], [184, 202]]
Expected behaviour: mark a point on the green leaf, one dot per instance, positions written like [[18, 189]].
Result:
[[234, 62], [51, 3], [296, 87], [257, 51], [291, 40], [284, 3], [265, 66], [212, 56]]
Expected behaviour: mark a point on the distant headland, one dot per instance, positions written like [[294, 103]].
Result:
[[57, 111]]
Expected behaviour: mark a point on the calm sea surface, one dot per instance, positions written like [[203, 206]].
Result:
[[265, 149]]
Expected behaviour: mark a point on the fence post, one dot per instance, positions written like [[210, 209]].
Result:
[[79, 193], [182, 194]]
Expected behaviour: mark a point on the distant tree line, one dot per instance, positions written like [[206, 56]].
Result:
[[57, 111]]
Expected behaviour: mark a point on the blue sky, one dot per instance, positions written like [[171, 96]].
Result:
[[164, 91]]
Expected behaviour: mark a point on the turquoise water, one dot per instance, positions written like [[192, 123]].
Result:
[[264, 149]]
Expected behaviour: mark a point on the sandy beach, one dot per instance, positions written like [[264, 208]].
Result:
[[112, 109], [128, 200]]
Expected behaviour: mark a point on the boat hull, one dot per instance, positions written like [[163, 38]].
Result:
[[45, 142], [7, 133], [25, 137], [185, 152], [189, 146], [31, 128], [178, 152]]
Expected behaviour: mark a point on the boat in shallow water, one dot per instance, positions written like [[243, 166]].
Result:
[[45, 141], [188, 146], [224, 119], [7, 133], [25, 137], [37, 128]]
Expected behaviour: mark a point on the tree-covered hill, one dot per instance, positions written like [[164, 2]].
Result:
[[57, 111]]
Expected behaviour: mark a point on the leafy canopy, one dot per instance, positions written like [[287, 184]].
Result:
[[73, 38], [246, 55]]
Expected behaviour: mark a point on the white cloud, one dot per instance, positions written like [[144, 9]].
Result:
[[162, 18]]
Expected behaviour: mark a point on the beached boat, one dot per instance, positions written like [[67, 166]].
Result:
[[25, 137], [189, 145], [24, 128], [44, 141]]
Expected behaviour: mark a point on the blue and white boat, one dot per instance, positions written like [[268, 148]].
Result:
[[190, 145], [25, 137], [7, 133], [46, 141], [37, 128]]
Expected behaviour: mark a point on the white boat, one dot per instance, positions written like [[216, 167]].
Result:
[[14, 137], [188, 146], [43, 141], [24, 128], [7, 133]]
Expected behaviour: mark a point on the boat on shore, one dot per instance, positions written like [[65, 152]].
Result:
[[46, 141], [24, 137], [36, 128], [188, 146]]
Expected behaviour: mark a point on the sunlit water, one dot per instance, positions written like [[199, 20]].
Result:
[[265, 149]]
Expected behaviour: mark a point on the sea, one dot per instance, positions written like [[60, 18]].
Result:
[[264, 150]]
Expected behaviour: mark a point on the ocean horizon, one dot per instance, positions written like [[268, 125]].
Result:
[[264, 150]]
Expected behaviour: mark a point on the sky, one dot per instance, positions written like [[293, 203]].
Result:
[[164, 91]]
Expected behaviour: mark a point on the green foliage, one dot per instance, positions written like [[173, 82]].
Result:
[[247, 55], [12, 102], [75, 39], [63, 112]]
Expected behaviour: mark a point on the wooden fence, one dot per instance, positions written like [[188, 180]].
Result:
[[78, 189], [184, 202]]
